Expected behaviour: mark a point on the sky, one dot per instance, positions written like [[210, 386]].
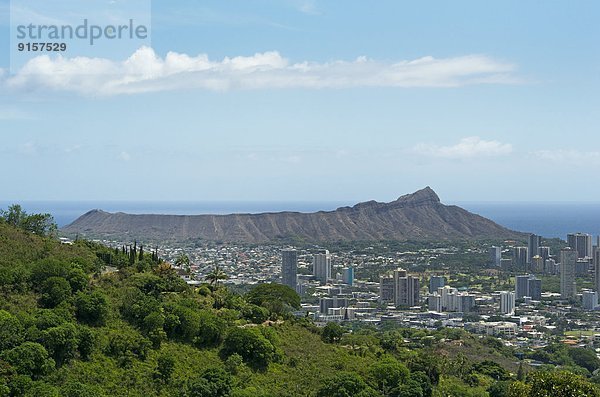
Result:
[[291, 100]]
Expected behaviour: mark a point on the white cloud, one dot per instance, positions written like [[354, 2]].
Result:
[[568, 156], [124, 156], [466, 148], [307, 7], [73, 148], [29, 149], [145, 71], [13, 114]]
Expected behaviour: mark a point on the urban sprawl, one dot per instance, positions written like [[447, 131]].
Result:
[[405, 289]]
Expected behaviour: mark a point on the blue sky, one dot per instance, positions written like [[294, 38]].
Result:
[[315, 100]]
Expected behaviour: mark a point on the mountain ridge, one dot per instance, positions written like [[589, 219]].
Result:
[[415, 216]]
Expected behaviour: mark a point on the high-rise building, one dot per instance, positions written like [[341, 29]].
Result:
[[407, 288], [520, 257], [597, 270], [534, 288], [495, 254], [537, 264], [348, 275], [550, 266], [289, 268], [590, 300], [581, 243], [448, 299], [568, 259], [533, 245], [322, 266], [521, 289], [436, 282], [387, 289], [434, 303], [507, 302], [582, 267], [528, 285], [400, 288], [466, 302], [325, 304], [506, 263], [544, 252]]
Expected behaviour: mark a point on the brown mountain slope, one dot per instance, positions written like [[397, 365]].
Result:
[[416, 216]]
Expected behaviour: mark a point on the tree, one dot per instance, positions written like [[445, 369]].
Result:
[[521, 372], [54, 291], [251, 344], [216, 275], [346, 384], [184, 323], [30, 359], [137, 305], [554, 384], [183, 261], [451, 386], [423, 381], [61, 342], [233, 363], [276, 297], [87, 342], [492, 369], [153, 326], [585, 358], [14, 216], [40, 224], [250, 392], [46, 268], [11, 331], [125, 345], [43, 389], [255, 314], [409, 389], [427, 362], [91, 307], [78, 389], [165, 366], [78, 280], [213, 382], [211, 329], [499, 389], [332, 332], [387, 374]]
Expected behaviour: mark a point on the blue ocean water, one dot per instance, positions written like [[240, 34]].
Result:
[[549, 219]]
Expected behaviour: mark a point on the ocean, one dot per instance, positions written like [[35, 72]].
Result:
[[548, 219]]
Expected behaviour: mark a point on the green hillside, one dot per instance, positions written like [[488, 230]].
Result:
[[86, 320]]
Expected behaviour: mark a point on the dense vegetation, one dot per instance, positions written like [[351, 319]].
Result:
[[86, 320]]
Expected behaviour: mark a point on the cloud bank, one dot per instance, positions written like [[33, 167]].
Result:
[[145, 71], [568, 156], [466, 148]]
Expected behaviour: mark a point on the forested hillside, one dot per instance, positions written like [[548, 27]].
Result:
[[86, 320]]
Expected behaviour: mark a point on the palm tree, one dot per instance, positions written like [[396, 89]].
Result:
[[183, 261], [215, 275]]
